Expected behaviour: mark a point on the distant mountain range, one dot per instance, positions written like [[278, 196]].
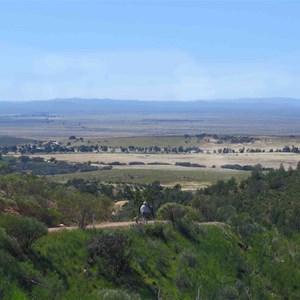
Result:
[[256, 106]]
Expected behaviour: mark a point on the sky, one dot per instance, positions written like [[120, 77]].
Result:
[[149, 49]]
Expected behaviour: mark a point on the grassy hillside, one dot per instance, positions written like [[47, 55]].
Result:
[[250, 249], [156, 262]]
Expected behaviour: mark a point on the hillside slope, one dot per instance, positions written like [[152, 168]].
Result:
[[155, 261]]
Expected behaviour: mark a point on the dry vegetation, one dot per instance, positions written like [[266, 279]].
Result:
[[191, 179], [265, 159], [166, 171], [171, 174], [125, 125]]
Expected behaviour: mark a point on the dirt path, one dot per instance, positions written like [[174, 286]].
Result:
[[101, 225], [121, 224]]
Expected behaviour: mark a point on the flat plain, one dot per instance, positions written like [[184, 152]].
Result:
[[269, 130], [87, 126], [166, 171]]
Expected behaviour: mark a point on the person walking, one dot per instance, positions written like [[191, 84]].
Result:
[[144, 212]]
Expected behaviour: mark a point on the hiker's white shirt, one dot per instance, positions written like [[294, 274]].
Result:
[[144, 208]]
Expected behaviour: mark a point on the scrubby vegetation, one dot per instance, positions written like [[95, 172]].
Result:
[[188, 164], [38, 166], [244, 168], [188, 144], [249, 251]]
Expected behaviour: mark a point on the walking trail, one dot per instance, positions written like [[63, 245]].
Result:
[[122, 224]]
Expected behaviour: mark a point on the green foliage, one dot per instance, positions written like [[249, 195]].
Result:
[[9, 244], [24, 230], [138, 264], [156, 230], [20, 274], [255, 256], [38, 166], [110, 252], [188, 258], [51, 203], [172, 212], [268, 200]]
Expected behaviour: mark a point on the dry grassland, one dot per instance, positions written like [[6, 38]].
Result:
[[265, 159], [262, 142], [170, 174], [191, 179]]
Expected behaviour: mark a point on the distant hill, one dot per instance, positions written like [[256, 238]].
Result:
[[257, 106]]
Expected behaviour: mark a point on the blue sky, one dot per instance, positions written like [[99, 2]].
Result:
[[149, 49]]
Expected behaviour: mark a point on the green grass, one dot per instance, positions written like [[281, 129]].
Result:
[[160, 256], [175, 263], [164, 176]]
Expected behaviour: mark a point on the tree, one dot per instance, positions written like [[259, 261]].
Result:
[[154, 196], [85, 208], [25, 230], [172, 212], [257, 172]]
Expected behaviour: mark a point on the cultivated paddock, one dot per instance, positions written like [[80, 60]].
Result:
[[272, 160]]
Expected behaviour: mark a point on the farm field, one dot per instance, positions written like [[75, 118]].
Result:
[[167, 167], [210, 144], [170, 175], [270, 160], [188, 179]]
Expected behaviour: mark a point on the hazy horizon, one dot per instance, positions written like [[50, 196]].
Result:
[[237, 100]]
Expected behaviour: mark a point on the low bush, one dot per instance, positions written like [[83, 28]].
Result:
[[188, 258], [158, 163], [183, 281], [110, 252], [172, 212], [188, 164], [25, 230], [116, 163]]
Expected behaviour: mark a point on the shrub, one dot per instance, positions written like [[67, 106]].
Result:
[[24, 230], [188, 164], [155, 230], [9, 244], [110, 251], [116, 163], [182, 281], [188, 230], [228, 292], [8, 264], [188, 258], [162, 265], [5, 282], [171, 212]]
